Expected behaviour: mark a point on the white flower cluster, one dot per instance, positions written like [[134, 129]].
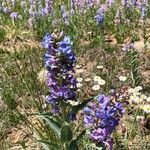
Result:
[[136, 97], [99, 82]]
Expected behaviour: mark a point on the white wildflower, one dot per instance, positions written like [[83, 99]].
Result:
[[135, 99], [142, 96], [138, 88], [73, 103], [79, 79], [96, 78], [87, 79], [79, 85], [78, 66], [146, 108], [42, 76], [148, 99], [80, 70], [123, 78], [96, 87], [99, 67], [101, 82], [131, 91]]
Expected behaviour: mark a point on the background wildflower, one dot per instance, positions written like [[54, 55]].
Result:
[[123, 78], [101, 82], [96, 87], [146, 108]]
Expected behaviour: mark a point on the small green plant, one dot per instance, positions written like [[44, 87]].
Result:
[[134, 66]]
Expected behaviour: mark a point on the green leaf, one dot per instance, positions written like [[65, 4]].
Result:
[[54, 124], [44, 113], [49, 114], [66, 133], [38, 136], [94, 146], [73, 145], [49, 143]]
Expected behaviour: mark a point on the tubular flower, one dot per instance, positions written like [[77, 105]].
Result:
[[102, 117], [101, 15], [65, 15], [59, 61]]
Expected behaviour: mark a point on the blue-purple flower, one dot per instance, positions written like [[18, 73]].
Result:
[[102, 117], [59, 60], [14, 15], [101, 15], [65, 15]]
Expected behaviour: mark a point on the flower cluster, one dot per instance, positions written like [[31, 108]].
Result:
[[140, 100], [102, 10], [144, 8], [102, 117], [100, 15], [83, 3], [133, 3], [110, 2], [65, 15], [32, 8], [59, 60], [136, 4], [127, 47]]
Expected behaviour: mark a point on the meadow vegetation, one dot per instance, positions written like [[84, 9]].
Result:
[[74, 74]]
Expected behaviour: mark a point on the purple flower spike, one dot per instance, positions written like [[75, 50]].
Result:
[[103, 116], [59, 60]]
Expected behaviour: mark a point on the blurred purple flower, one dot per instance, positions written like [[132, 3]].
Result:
[[14, 15], [127, 47], [110, 2], [65, 15]]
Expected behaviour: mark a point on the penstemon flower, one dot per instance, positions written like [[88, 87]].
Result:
[[102, 117], [100, 15], [59, 60], [65, 15], [110, 2], [143, 8]]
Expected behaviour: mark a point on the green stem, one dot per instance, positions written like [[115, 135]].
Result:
[[63, 113]]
